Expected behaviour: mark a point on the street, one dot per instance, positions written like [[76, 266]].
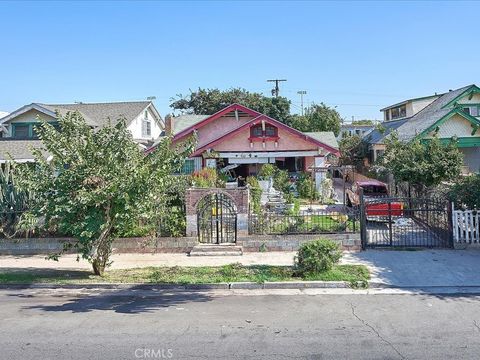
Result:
[[147, 324]]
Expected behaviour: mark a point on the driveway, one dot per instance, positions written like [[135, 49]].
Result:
[[421, 268]]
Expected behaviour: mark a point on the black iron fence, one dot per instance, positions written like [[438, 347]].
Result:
[[318, 221], [405, 222]]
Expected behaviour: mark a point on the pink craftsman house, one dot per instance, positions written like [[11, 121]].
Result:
[[244, 137]]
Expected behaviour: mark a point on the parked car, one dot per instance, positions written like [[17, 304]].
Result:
[[373, 192]]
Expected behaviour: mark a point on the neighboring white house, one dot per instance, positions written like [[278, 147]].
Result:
[[17, 130], [349, 129]]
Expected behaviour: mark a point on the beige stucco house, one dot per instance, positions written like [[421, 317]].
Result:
[[452, 115], [17, 130]]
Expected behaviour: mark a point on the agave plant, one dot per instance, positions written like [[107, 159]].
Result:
[[13, 200]]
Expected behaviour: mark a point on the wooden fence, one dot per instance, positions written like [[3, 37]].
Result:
[[466, 227]]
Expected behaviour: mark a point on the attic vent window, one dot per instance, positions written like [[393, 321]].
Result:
[[146, 125]]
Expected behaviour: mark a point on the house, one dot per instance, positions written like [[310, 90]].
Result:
[[452, 115], [359, 129], [237, 135], [17, 130]]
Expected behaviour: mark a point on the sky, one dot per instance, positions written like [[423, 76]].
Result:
[[355, 56]]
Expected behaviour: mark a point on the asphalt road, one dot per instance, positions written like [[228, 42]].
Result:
[[94, 324]]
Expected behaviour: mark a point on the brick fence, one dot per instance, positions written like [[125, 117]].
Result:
[[45, 246], [239, 196]]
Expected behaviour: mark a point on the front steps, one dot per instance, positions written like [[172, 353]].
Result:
[[216, 250]]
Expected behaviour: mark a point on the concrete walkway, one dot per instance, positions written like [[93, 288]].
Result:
[[128, 261], [421, 268]]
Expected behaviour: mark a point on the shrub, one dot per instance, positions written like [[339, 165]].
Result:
[[306, 187], [267, 171], [255, 194], [465, 193], [317, 256], [281, 181], [205, 178]]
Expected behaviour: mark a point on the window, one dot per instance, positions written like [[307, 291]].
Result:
[[146, 125], [256, 131], [387, 115], [21, 130], [472, 110], [270, 131], [399, 112], [188, 167]]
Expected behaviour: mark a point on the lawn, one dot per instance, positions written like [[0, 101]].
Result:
[[185, 275]]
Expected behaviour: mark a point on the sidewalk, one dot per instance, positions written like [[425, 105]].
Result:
[[423, 268], [128, 261]]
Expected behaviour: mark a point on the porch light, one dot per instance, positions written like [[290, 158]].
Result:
[[276, 143], [263, 125], [263, 144], [251, 144]]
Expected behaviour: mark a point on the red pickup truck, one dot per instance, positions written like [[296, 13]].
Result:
[[373, 191]]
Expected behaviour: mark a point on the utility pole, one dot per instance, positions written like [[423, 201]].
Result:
[[276, 90], [301, 93]]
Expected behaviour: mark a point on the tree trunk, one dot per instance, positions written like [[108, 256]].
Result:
[[102, 248], [102, 255]]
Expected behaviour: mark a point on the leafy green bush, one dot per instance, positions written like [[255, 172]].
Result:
[[306, 187], [465, 193], [205, 178], [267, 171], [317, 256], [281, 181], [255, 194]]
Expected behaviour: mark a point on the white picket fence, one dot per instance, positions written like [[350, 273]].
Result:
[[466, 227]]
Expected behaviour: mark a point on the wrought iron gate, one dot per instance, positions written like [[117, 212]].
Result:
[[405, 222], [216, 219]]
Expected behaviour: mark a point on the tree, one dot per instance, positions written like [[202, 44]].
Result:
[[97, 180], [318, 117], [422, 163], [209, 101], [352, 150]]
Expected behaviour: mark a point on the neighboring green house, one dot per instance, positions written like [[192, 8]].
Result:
[[453, 115]]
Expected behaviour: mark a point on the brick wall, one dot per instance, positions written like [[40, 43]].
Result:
[[45, 246]]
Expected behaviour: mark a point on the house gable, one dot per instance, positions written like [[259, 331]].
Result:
[[465, 97], [455, 123], [283, 138], [237, 112]]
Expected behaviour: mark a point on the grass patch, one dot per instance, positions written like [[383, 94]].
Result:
[[185, 275]]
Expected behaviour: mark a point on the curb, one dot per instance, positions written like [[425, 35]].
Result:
[[219, 286]]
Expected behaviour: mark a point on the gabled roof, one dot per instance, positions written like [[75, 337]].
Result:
[[236, 108], [271, 121], [409, 128], [325, 137], [183, 122], [95, 114], [101, 113], [410, 100], [20, 150]]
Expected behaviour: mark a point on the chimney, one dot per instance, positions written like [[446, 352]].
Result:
[[169, 124]]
